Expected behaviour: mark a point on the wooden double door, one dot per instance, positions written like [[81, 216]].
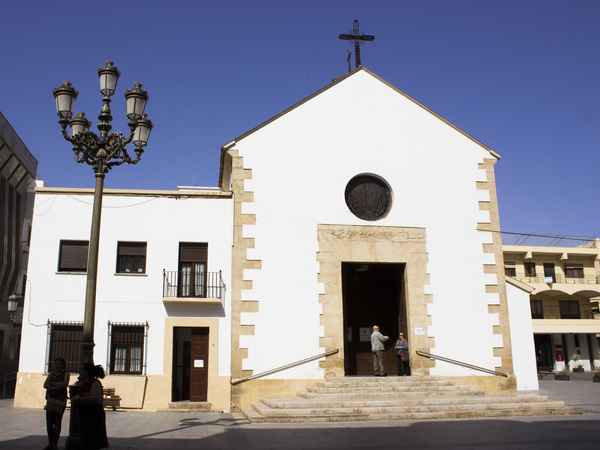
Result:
[[190, 364]]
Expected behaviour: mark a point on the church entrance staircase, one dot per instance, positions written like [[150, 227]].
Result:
[[346, 399]]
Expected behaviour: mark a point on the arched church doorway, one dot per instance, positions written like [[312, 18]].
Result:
[[373, 294]]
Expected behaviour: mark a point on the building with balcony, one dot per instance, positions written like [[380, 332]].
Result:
[[271, 282], [564, 290], [17, 174], [162, 293]]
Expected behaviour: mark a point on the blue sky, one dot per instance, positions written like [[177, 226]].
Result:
[[522, 76]]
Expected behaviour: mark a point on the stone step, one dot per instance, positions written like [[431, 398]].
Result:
[[389, 387], [382, 395], [395, 383], [479, 410], [325, 403], [398, 410], [189, 406], [255, 416], [390, 378]]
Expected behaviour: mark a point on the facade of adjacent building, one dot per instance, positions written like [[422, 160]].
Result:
[[321, 226], [17, 174], [564, 286]]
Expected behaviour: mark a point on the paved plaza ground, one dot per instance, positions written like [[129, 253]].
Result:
[[24, 429]]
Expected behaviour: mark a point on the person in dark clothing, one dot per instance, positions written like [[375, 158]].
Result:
[[91, 409], [56, 401], [402, 355]]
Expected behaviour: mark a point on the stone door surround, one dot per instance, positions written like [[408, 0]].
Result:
[[372, 244]]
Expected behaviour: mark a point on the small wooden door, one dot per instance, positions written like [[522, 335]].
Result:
[[199, 365]]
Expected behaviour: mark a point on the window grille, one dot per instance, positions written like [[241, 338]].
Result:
[[64, 340], [127, 344], [72, 256], [368, 196], [131, 257]]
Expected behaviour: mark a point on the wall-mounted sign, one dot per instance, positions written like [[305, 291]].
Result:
[[198, 363], [419, 331], [365, 334]]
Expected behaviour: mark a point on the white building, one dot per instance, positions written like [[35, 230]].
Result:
[[324, 223]]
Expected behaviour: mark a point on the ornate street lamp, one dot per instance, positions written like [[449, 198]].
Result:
[[14, 310], [102, 152]]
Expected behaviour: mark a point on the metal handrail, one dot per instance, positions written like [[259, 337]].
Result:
[[460, 363], [284, 367]]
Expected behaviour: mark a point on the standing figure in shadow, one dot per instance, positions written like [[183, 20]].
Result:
[[56, 400], [402, 355], [91, 409]]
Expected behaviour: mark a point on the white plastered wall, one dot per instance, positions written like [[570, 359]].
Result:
[[521, 337], [301, 164], [162, 222]]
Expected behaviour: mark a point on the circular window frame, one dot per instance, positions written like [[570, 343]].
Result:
[[379, 179]]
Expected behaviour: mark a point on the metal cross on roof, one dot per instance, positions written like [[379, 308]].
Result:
[[357, 38]]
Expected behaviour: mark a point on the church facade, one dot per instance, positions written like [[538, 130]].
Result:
[[357, 206]]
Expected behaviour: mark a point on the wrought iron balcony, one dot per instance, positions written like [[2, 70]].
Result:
[[184, 284]]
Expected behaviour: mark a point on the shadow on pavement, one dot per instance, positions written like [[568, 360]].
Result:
[[475, 434]]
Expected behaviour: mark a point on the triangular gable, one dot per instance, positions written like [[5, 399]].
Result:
[[330, 85]]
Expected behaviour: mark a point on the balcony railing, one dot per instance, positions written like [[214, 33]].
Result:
[[560, 279], [182, 284]]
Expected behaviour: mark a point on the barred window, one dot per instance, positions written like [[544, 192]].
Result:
[[65, 342], [131, 257], [127, 348], [72, 256]]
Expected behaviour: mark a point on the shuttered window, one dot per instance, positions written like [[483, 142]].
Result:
[[193, 252], [127, 349], [569, 309], [131, 257], [530, 269], [192, 269], [537, 309], [510, 269], [573, 270], [72, 256], [65, 342]]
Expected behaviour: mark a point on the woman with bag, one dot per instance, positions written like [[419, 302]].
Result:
[[91, 408], [402, 357], [56, 400]]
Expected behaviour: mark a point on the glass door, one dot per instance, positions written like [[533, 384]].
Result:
[[192, 269]]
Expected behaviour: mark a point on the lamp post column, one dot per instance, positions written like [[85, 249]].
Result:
[[87, 342], [102, 151]]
